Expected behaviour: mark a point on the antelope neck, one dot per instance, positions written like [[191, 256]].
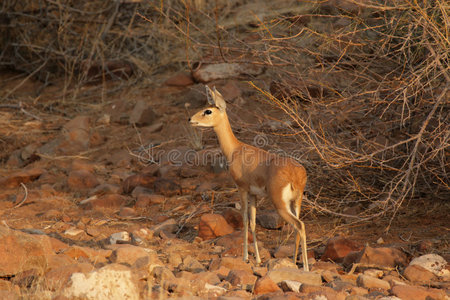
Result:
[[227, 140]]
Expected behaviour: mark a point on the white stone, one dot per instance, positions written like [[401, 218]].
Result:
[[73, 231], [433, 263], [120, 237], [113, 282], [291, 285]]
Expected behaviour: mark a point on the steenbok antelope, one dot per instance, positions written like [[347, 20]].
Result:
[[257, 172]]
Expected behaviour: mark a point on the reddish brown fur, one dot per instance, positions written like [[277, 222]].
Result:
[[251, 168]]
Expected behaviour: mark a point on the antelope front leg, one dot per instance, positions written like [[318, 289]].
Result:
[[253, 226], [244, 212]]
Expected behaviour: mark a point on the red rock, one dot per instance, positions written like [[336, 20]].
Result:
[[20, 251], [94, 255], [232, 240], [169, 226], [133, 181], [76, 134], [166, 187], [278, 275], [127, 212], [105, 188], [81, 180], [145, 200], [9, 295], [181, 79], [59, 260], [142, 114], [191, 264], [241, 277], [25, 176], [338, 247], [234, 218], [269, 220], [386, 257], [230, 263], [105, 201], [417, 292], [129, 254], [230, 90], [370, 282], [265, 285], [212, 226], [416, 273], [57, 245], [327, 293]]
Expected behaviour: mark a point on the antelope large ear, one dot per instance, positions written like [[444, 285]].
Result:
[[218, 100], [210, 96]]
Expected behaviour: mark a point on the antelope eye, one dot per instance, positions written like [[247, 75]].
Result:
[[208, 112]]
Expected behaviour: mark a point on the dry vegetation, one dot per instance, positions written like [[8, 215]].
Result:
[[365, 85]]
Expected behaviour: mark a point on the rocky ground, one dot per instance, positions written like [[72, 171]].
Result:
[[113, 199]]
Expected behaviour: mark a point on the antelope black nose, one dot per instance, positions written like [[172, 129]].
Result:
[[189, 119]]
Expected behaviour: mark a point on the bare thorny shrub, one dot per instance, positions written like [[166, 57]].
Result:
[[365, 83], [88, 41], [366, 86], [377, 94]]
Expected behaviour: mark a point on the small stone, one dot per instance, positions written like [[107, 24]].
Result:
[[369, 282], [290, 286], [416, 273], [259, 271], [230, 263], [145, 200], [214, 290], [168, 226], [374, 273], [73, 231], [265, 285], [127, 212], [432, 262], [142, 114], [181, 79], [114, 282], [284, 251], [58, 276], [269, 220], [417, 292], [120, 238], [212, 226], [385, 257], [190, 264], [241, 277], [105, 201], [278, 275], [16, 178], [81, 180], [339, 247], [129, 255], [105, 188], [161, 273], [279, 263]]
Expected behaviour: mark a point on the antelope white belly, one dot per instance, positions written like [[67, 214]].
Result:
[[257, 190]]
